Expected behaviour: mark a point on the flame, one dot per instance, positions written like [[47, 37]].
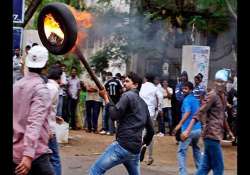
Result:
[[84, 19], [51, 26], [81, 36]]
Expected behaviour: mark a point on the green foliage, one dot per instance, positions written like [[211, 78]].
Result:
[[69, 60], [116, 50], [199, 21], [100, 60]]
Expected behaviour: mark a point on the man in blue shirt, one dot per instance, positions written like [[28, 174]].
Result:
[[199, 89], [189, 107]]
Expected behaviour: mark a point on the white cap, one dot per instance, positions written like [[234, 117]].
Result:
[[37, 57], [221, 75]]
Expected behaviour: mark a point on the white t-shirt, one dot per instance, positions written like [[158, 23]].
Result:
[[167, 101], [150, 94], [54, 94], [74, 87]]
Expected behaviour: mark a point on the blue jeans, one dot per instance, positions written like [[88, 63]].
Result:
[[55, 157], [182, 150], [60, 106], [212, 159], [115, 155], [108, 123]]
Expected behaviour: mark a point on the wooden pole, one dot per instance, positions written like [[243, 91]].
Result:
[[86, 65]]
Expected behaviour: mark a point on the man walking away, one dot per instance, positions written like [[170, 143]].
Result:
[[31, 107], [132, 115]]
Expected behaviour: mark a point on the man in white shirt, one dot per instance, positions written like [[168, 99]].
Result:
[[151, 95], [167, 107], [17, 73], [54, 78], [62, 101]]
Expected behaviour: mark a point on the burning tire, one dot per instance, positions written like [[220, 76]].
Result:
[[57, 28]]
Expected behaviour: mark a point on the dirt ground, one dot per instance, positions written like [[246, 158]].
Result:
[[84, 148]]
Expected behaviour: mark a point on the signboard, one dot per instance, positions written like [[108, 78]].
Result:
[[17, 37], [195, 59], [18, 11]]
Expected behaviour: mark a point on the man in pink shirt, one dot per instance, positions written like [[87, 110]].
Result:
[[31, 107]]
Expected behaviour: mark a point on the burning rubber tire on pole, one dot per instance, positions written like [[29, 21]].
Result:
[[61, 41], [57, 29]]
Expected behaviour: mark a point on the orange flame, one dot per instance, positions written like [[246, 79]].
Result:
[[84, 19], [51, 26]]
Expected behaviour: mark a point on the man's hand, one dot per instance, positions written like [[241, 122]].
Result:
[[59, 120], [184, 135], [103, 93], [231, 135], [176, 128], [24, 167]]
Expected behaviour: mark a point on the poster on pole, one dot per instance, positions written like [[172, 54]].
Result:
[[18, 11], [17, 37], [195, 59]]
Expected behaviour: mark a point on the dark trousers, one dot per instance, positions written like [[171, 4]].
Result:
[[92, 112], [40, 166], [167, 117], [72, 111], [65, 113]]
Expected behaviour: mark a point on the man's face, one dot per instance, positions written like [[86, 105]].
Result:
[[156, 81], [183, 78], [165, 83], [109, 77], [17, 52], [196, 80], [186, 90], [63, 68], [128, 84], [73, 72], [220, 85], [27, 50]]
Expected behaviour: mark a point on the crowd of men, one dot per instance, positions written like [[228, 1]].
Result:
[[128, 104]]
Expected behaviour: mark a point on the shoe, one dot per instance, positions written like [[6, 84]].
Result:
[[150, 161], [89, 131], [109, 133], [102, 132], [95, 132]]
